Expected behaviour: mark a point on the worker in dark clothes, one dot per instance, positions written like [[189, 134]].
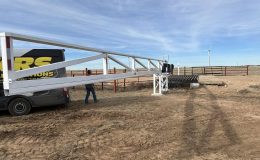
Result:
[[90, 88]]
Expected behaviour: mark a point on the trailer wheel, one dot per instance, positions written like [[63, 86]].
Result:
[[19, 106]]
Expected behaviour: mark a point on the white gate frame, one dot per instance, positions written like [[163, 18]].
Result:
[[13, 86], [160, 83]]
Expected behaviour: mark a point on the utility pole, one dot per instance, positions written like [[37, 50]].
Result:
[[209, 56]]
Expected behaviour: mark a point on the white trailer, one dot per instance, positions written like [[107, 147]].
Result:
[[13, 86]]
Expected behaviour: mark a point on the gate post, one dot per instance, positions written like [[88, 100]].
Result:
[[7, 62], [160, 84], [105, 65]]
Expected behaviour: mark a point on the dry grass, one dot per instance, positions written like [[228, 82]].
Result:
[[207, 123]]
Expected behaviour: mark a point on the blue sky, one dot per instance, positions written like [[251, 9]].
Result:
[[182, 29]]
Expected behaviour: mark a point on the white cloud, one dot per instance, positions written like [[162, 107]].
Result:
[[145, 27]]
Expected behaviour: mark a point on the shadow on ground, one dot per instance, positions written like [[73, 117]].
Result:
[[197, 142]]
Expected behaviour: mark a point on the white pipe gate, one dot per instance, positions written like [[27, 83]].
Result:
[[13, 86]]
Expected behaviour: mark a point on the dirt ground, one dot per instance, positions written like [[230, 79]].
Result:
[[211, 122]]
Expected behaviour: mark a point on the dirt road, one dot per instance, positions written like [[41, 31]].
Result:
[[207, 123]]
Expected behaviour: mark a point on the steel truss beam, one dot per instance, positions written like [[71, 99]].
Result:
[[31, 71], [13, 86], [154, 65], [19, 87], [66, 45], [120, 63], [141, 63]]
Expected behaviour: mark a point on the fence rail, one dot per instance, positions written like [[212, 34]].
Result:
[[219, 70], [117, 84], [124, 83]]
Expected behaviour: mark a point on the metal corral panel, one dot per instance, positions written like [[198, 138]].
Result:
[[175, 80]]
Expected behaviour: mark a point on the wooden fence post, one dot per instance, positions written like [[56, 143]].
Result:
[[86, 71], [191, 70], [115, 81], [124, 79], [225, 71], [184, 71], [71, 74], [247, 70], [137, 77], [204, 70], [73, 86]]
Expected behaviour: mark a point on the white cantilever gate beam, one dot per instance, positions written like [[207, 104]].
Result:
[[13, 86], [53, 66], [117, 61], [20, 87], [153, 64], [66, 45], [141, 63]]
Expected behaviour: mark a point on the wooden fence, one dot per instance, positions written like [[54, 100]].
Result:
[[124, 83], [117, 84], [214, 70]]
